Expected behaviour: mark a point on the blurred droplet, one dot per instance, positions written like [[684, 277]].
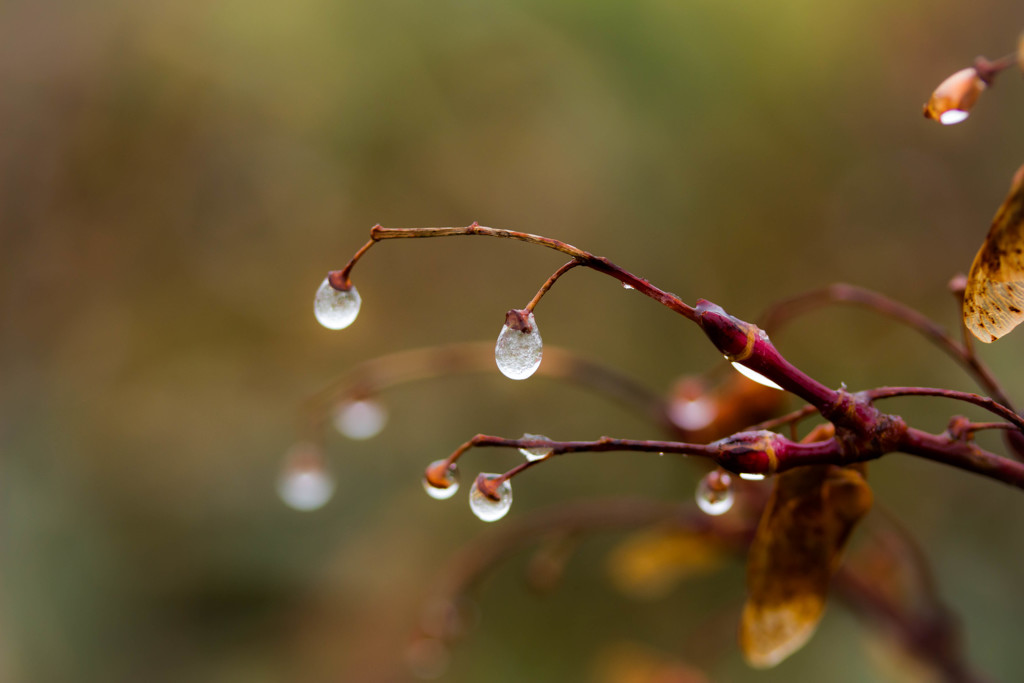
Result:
[[535, 453], [627, 286], [518, 352], [755, 376], [692, 414], [304, 483], [442, 473], [427, 658], [486, 508], [336, 309], [360, 419], [715, 494]]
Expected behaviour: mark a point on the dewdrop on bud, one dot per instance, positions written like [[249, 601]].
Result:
[[304, 483], [336, 308], [441, 480], [754, 376], [360, 419], [519, 346], [714, 493], [483, 505], [951, 102], [536, 453]]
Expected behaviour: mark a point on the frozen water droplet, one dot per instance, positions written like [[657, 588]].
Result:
[[445, 480], [518, 352], [952, 116], [750, 476], [755, 376], [335, 309], [360, 419], [486, 508], [304, 483], [714, 493], [692, 414], [535, 453]]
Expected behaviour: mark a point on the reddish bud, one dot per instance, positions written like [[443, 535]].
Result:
[[951, 102]]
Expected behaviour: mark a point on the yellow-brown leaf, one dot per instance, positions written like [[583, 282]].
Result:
[[994, 298], [796, 550]]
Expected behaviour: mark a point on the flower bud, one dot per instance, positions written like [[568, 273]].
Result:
[[951, 102]]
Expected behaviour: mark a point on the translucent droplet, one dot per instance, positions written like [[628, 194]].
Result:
[[487, 508], [518, 353], [714, 493], [304, 483], [535, 453], [948, 118], [442, 473], [750, 476], [335, 309], [755, 376], [360, 419], [427, 658], [692, 414]]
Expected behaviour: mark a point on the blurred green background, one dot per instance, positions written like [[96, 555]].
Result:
[[176, 177]]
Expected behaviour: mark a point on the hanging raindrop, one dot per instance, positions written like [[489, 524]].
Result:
[[441, 480], [360, 419], [692, 414], [336, 309], [536, 453], [519, 346], [486, 508], [304, 483], [714, 493]]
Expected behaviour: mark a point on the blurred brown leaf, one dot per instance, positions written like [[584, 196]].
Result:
[[648, 564], [631, 663], [796, 550]]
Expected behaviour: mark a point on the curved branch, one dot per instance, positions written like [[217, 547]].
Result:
[[788, 309]]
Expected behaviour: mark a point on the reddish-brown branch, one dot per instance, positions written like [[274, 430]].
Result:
[[785, 311], [981, 401], [766, 453], [585, 258]]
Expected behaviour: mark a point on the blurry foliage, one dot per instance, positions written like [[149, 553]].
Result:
[[175, 178]]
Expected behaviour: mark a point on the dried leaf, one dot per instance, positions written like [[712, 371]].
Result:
[[649, 564], [630, 663], [994, 298], [796, 550]]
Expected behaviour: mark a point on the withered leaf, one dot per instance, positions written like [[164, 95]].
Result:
[[649, 564], [795, 551], [994, 298]]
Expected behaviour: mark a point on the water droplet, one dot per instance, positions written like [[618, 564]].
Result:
[[948, 118], [427, 658], [518, 353], [755, 376], [750, 476], [360, 419], [626, 286], [714, 493], [486, 508], [441, 480], [535, 453], [304, 483], [335, 309], [692, 414]]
